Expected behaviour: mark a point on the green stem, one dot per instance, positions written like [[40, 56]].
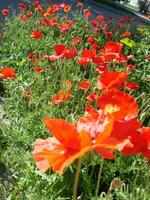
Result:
[[99, 178], [76, 179]]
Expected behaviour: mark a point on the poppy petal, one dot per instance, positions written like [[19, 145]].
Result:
[[119, 105], [111, 79], [64, 132]]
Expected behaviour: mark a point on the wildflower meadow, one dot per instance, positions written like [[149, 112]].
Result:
[[75, 105]]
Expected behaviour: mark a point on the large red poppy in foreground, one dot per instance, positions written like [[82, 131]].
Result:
[[69, 143]]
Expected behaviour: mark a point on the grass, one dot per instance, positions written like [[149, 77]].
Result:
[[23, 123]]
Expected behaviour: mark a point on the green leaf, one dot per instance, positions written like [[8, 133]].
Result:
[[129, 42]]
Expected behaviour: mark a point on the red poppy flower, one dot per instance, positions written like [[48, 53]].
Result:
[[103, 25], [69, 53], [122, 20], [67, 8], [111, 51], [84, 85], [123, 129], [38, 69], [92, 97], [59, 151], [76, 40], [31, 55], [69, 143], [111, 46], [91, 40], [145, 131], [88, 14], [100, 128], [59, 49], [102, 69], [132, 86], [100, 17], [83, 61], [94, 23], [5, 12], [29, 13], [115, 56], [126, 34], [22, 6], [36, 34], [62, 51], [23, 17], [66, 26], [52, 22], [109, 34], [119, 105], [7, 72], [60, 97], [111, 79], [97, 60], [93, 122], [88, 53], [35, 3], [140, 145], [79, 4], [39, 9]]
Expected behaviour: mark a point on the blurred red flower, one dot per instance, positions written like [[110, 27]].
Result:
[[7, 72], [132, 86], [102, 68], [100, 17], [111, 46], [79, 4], [76, 40], [60, 97], [23, 17], [36, 34], [38, 69], [84, 85], [22, 6], [5, 12], [94, 23], [92, 97], [67, 8], [111, 79], [62, 51], [35, 3]]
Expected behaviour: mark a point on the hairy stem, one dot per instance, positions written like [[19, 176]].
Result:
[[99, 178], [76, 179]]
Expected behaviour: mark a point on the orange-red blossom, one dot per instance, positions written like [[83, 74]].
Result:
[[98, 130], [68, 144]]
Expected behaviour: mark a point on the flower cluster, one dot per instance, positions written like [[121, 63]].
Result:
[[114, 125]]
